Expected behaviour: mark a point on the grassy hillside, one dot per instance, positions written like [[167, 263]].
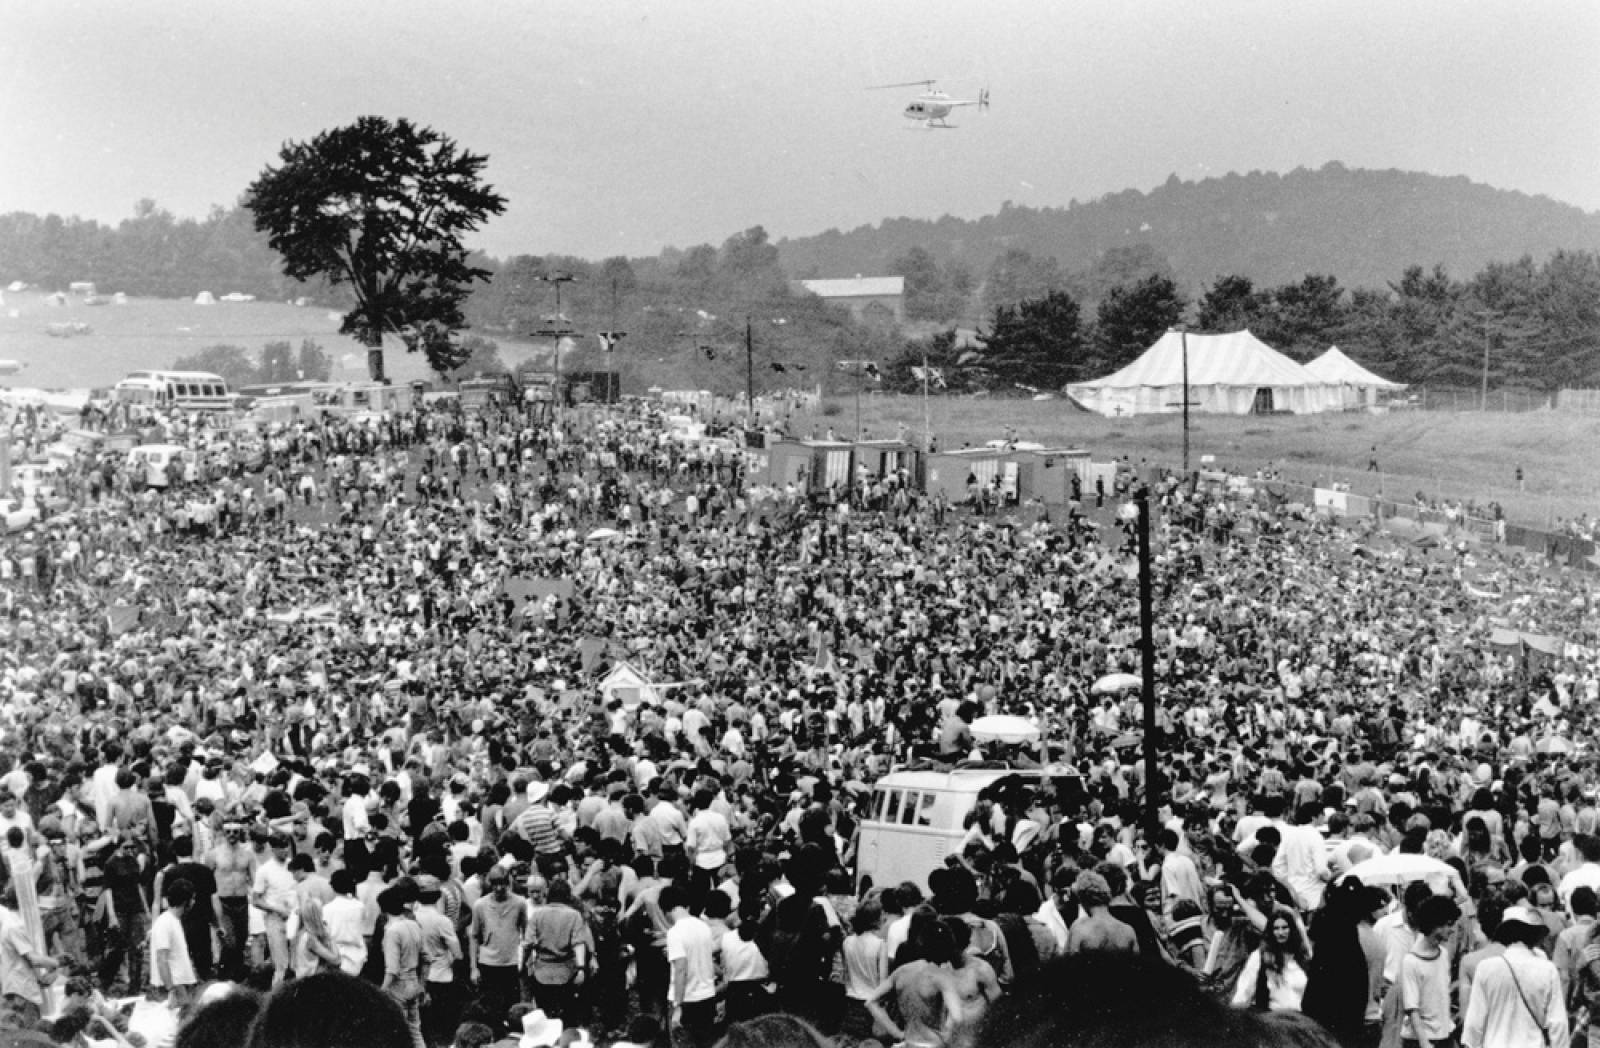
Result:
[[1465, 455], [1363, 226]]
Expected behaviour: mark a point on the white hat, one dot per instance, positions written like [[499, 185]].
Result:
[[1521, 915], [537, 790], [539, 1030]]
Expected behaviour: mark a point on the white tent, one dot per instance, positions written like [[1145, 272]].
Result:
[[628, 684], [1358, 386], [205, 298], [1233, 374]]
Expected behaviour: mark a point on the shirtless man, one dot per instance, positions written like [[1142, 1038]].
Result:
[[925, 989], [234, 864], [976, 982], [1096, 929]]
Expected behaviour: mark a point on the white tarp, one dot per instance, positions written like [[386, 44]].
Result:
[[1233, 374]]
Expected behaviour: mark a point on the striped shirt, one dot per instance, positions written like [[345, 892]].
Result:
[[537, 826]]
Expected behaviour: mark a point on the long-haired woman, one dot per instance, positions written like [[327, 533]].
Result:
[[1274, 976]]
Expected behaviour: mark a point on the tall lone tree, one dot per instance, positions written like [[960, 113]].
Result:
[[381, 206]]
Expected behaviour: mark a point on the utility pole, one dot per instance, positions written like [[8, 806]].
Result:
[[1147, 662], [749, 375], [1183, 334], [927, 418], [861, 367], [1483, 392], [560, 329]]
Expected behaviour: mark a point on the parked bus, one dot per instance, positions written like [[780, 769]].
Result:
[[187, 390]]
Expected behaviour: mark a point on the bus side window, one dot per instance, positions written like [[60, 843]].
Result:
[[925, 811], [891, 806], [908, 814]]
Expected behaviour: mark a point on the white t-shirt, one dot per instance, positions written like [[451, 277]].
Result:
[[275, 884], [742, 961], [342, 915], [166, 933], [354, 812], [689, 940]]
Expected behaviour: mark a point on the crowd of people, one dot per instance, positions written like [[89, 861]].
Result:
[[286, 734]]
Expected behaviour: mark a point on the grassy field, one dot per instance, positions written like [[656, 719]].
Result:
[[1466, 455]]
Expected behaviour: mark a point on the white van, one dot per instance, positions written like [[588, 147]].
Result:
[[148, 462], [918, 817]]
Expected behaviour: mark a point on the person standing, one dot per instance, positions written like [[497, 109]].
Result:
[[691, 954], [1274, 977], [499, 921], [272, 892], [1095, 929], [442, 948], [1516, 999], [560, 949], [708, 839], [343, 917], [924, 988], [21, 962], [234, 865], [405, 965], [171, 967], [126, 913], [1178, 875], [1424, 982], [198, 918]]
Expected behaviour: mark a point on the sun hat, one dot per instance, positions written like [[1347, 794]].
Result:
[[539, 1030]]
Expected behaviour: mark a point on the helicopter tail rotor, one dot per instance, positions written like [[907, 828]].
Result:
[[983, 100]]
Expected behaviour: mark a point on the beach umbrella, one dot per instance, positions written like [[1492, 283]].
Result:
[[1116, 683], [1401, 868], [1004, 727]]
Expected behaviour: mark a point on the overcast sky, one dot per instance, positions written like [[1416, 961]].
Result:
[[622, 126]]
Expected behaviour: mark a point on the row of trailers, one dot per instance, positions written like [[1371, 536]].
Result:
[[1022, 473]]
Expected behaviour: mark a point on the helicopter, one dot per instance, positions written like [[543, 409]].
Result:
[[931, 108]]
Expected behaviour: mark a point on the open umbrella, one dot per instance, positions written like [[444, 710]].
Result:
[[1402, 868], [604, 535], [1116, 683], [1554, 744], [1004, 727]]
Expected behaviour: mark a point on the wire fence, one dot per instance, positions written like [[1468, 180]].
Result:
[[1488, 511], [1581, 401], [1425, 398]]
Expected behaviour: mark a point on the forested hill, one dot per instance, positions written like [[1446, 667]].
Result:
[[1363, 227]]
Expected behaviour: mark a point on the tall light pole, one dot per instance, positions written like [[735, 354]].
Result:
[[560, 329], [1147, 660], [1183, 336], [749, 375], [1483, 391]]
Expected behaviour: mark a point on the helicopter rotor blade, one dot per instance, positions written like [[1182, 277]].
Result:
[[908, 83]]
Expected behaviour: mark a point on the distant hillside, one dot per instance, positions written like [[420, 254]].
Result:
[[1364, 227]]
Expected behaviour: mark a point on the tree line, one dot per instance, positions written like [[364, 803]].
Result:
[[276, 362], [708, 315], [1525, 325]]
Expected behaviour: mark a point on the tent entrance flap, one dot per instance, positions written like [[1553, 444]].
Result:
[[1263, 402]]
